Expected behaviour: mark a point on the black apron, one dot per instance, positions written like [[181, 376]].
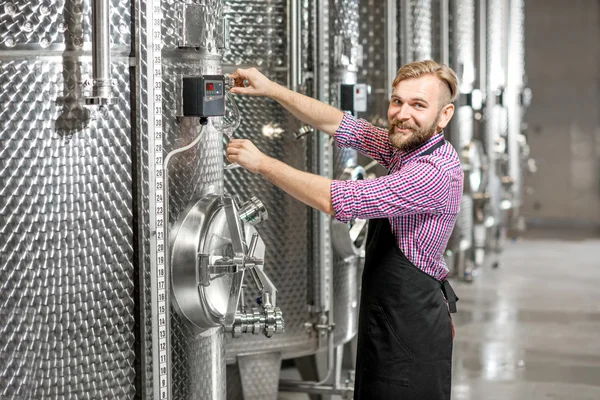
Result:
[[404, 330]]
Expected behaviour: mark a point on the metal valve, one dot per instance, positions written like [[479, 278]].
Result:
[[228, 265], [269, 320], [253, 212], [304, 131]]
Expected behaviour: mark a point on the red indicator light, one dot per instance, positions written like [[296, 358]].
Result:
[[210, 86]]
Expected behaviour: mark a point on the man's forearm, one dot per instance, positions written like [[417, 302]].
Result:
[[311, 189], [311, 111]]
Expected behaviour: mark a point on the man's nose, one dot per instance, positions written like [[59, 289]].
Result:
[[403, 113]]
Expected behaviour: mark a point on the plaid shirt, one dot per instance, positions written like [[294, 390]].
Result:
[[420, 195]]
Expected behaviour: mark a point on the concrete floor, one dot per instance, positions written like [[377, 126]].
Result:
[[529, 330]]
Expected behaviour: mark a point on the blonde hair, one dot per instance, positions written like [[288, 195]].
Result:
[[428, 67]]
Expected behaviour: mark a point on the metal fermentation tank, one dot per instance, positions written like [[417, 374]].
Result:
[[496, 119], [461, 58], [344, 63], [519, 97], [295, 261], [418, 35], [259, 38], [69, 287], [378, 40]]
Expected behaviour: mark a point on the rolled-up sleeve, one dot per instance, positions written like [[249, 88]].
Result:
[[362, 136], [421, 187]]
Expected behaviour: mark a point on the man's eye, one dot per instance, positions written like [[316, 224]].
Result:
[[396, 102], [419, 105]]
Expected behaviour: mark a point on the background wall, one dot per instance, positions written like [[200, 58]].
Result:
[[563, 68]]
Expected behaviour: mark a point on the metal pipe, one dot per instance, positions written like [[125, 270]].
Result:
[[102, 83], [325, 301], [392, 41], [407, 31], [445, 31], [323, 277], [327, 389], [295, 46], [481, 45]]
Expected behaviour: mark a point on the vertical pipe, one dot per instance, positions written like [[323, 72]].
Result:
[[514, 86], [391, 43], [407, 32], [101, 50], [445, 32], [480, 43], [325, 273], [294, 33]]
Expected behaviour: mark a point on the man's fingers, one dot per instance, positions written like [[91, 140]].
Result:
[[243, 90], [233, 150], [239, 142]]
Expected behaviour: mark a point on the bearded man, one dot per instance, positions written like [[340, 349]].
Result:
[[405, 329]]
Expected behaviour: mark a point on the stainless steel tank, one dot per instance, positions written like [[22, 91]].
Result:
[[69, 284], [259, 33], [345, 61], [496, 122], [378, 39], [418, 37], [519, 98], [290, 235], [461, 37]]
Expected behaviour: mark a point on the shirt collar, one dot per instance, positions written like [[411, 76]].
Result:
[[407, 156]]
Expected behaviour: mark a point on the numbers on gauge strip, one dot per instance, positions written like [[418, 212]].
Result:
[[156, 133]]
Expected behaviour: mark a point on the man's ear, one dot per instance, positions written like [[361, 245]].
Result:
[[446, 115]]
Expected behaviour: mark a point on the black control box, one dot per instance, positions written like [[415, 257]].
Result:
[[203, 96], [353, 97]]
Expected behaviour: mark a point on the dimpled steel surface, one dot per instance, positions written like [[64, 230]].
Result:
[[263, 380], [435, 7], [257, 377], [66, 296], [517, 9], [417, 30], [496, 117], [516, 80], [462, 58], [462, 50], [422, 42], [373, 39], [258, 32], [65, 23], [285, 233], [344, 22], [196, 172], [258, 35], [210, 19], [344, 19]]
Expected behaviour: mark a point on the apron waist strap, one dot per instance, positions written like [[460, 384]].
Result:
[[450, 296]]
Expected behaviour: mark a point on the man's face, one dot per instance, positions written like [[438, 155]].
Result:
[[415, 113]]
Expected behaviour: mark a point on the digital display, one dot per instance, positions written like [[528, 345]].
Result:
[[210, 87]]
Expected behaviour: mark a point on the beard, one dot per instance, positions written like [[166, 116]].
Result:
[[416, 138]]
